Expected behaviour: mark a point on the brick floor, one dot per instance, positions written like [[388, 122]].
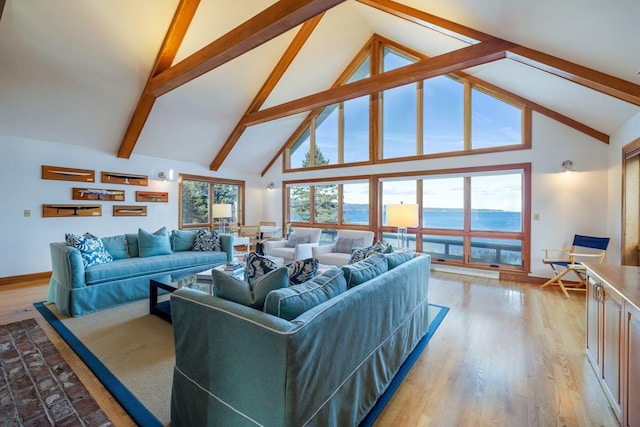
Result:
[[37, 387]]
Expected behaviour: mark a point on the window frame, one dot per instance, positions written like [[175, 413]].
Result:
[[212, 182]]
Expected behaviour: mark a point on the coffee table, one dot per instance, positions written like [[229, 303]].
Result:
[[172, 282]]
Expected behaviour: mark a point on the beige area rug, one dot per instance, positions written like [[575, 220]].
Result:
[[135, 346]]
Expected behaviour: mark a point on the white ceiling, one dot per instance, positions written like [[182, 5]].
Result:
[[72, 72]]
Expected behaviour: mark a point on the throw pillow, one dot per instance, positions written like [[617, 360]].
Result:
[[116, 246], [228, 287], [385, 247], [289, 303], [295, 240], [152, 244], [365, 270], [344, 245], [257, 266], [396, 258], [182, 240], [91, 249], [132, 245], [207, 241], [359, 254], [302, 270]]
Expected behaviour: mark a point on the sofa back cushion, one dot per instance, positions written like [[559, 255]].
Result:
[[365, 270], [116, 246], [228, 287], [289, 303], [132, 245], [182, 240], [156, 243], [394, 259]]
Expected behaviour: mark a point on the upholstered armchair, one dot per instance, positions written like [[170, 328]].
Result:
[[297, 246], [340, 252]]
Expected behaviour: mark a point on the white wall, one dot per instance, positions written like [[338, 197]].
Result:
[[24, 242], [565, 203]]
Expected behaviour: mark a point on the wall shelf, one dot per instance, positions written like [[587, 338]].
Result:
[[68, 174], [152, 196], [97, 194], [133, 210], [124, 178], [65, 210]]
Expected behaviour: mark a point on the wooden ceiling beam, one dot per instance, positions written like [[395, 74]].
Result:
[[173, 39], [277, 19], [481, 53], [2, 4], [278, 71]]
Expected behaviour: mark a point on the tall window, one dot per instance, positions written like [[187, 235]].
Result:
[[198, 195]]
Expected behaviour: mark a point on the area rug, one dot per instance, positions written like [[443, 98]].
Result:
[[37, 387], [132, 353]]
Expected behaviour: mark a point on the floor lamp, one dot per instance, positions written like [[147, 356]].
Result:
[[220, 211], [402, 216]]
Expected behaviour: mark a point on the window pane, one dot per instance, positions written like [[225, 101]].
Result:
[[195, 202], [363, 71], [494, 122], [227, 194], [443, 203], [399, 122], [393, 239], [443, 247], [300, 152], [328, 236], [392, 60], [443, 115], [496, 202], [496, 251], [356, 130], [326, 204], [327, 134], [397, 192], [355, 207], [299, 204]]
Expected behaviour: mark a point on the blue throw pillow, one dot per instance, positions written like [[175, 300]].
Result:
[[207, 241], [116, 246], [344, 245], [152, 244], [228, 287], [91, 249], [182, 240], [291, 302], [132, 245], [302, 270], [295, 240], [365, 270], [396, 258], [257, 266]]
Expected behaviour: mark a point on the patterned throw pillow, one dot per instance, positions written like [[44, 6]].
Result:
[[385, 247], [295, 240], [257, 266], [302, 270], [344, 245], [91, 248], [207, 241], [359, 254]]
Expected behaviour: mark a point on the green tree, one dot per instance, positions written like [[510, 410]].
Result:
[[326, 196], [195, 202]]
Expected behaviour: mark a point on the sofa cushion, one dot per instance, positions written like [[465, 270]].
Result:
[[91, 249], [345, 245], [396, 258], [116, 246], [182, 240], [257, 266], [207, 241], [289, 303], [132, 245], [228, 287], [302, 270], [364, 270], [152, 244], [295, 240]]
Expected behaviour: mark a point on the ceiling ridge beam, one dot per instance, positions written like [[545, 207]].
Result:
[[592, 79], [270, 83], [481, 53], [173, 39]]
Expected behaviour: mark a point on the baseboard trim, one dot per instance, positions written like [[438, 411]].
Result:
[[45, 275]]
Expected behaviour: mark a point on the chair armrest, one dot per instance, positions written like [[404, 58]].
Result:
[[226, 241], [304, 251], [272, 244], [321, 250], [67, 265]]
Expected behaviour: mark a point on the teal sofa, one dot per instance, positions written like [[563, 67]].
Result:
[[325, 367], [77, 290]]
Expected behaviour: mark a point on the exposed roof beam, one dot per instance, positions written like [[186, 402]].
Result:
[[487, 51], [2, 3], [277, 19], [281, 67], [592, 79], [175, 34]]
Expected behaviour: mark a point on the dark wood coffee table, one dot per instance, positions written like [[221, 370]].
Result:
[[172, 282]]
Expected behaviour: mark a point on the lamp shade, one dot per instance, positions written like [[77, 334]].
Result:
[[401, 215], [222, 210]]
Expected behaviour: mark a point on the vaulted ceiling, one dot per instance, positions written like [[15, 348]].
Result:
[[242, 74]]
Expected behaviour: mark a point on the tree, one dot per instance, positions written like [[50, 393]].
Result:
[[326, 196]]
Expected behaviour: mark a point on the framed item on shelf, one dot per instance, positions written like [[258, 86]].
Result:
[[135, 210], [152, 196], [68, 174], [66, 210], [97, 194], [124, 178]]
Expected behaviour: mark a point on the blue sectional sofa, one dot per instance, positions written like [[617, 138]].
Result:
[[77, 290], [327, 366]]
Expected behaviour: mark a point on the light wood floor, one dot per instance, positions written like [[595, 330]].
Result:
[[507, 354]]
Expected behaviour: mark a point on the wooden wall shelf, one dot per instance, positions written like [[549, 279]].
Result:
[[68, 174], [97, 194], [63, 210], [124, 178], [152, 196], [133, 210]]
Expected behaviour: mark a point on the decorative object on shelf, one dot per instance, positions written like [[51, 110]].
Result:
[[124, 178], [567, 167], [222, 211], [62, 210], [122, 210], [68, 174], [97, 194], [152, 196], [402, 216]]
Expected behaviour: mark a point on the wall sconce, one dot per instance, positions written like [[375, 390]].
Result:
[[165, 176], [567, 167], [271, 186]]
